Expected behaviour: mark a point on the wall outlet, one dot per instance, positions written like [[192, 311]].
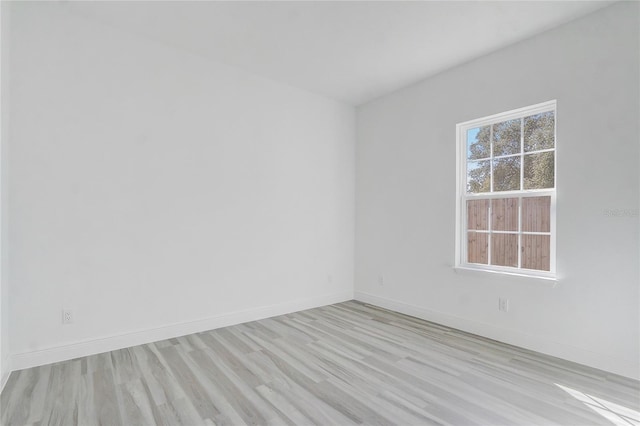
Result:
[[329, 278], [380, 280], [503, 304], [67, 316]]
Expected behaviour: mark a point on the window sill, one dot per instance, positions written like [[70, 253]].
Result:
[[552, 281]]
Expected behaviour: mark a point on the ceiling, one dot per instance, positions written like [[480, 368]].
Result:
[[350, 51]]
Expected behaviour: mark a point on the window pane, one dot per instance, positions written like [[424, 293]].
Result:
[[536, 252], [477, 247], [506, 138], [478, 143], [504, 214], [536, 214], [478, 176], [539, 131], [478, 215], [504, 249], [539, 170], [506, 174]]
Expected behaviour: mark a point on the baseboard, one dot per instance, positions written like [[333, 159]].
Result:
[[5, 373], [620, 366], [110, 343]]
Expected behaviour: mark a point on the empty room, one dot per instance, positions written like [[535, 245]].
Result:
[[320, 213]]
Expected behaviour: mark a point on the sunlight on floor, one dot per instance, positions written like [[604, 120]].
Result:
[[616, 414]]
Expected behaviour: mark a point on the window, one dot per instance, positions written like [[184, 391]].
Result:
[[507, 192]]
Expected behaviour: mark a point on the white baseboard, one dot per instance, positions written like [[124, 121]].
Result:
[[4, 374], [110, 343], [620, 366]]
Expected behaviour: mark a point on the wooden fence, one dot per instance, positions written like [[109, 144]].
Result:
[[497, 220]]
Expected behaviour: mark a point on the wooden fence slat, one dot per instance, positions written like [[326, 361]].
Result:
[[536, 252], [536, 214], [478, 247], [478, 214], [504, 214], [504, 249]]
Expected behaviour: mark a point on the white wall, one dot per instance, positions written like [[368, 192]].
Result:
[[5, 366], [405, 186], [152, 188]]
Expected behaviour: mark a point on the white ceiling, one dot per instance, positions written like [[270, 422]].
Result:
[[350, 51]]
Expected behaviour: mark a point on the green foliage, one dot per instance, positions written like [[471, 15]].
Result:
[[538, 133], [539, 170], [506, 138], [506, 174], [481, 147], [479, 177]]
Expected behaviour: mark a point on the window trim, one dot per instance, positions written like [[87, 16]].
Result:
[[462, 196]]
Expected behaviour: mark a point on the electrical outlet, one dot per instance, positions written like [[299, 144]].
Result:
[[329, 278], [380, 280], [67, 316], [503, 304]]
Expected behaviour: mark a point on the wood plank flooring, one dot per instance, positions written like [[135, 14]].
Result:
[[343, 364]]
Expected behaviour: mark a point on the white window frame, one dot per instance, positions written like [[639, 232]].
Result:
[[462, 196]]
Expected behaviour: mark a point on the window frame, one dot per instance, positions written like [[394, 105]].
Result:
[[461, 259]]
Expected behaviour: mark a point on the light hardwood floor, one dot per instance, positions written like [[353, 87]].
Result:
[[342, 364]]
